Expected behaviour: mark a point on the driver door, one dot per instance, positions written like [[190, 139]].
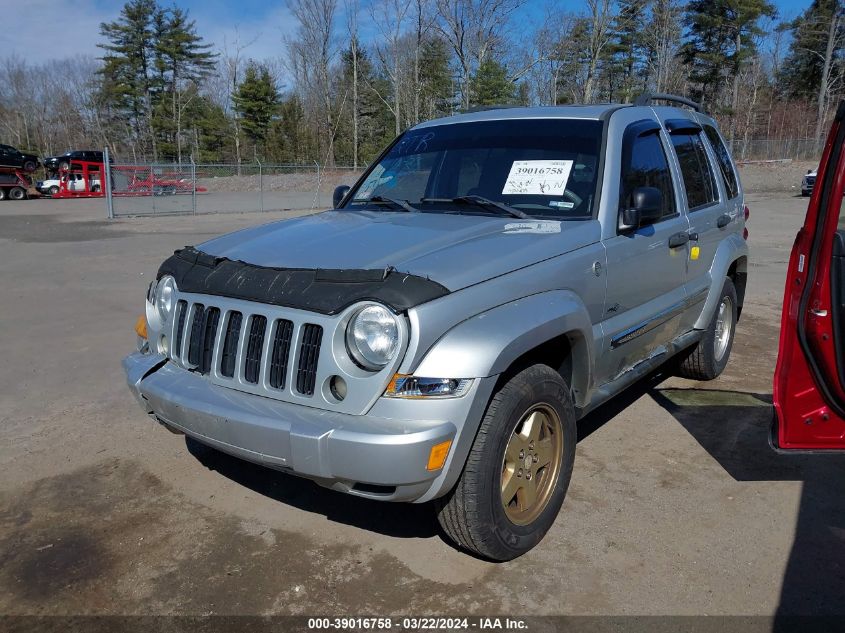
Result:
[[809, 384]]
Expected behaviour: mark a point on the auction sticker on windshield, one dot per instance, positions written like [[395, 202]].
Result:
[[538, 177]]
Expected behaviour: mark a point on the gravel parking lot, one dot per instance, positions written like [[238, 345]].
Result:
[[677, 504]]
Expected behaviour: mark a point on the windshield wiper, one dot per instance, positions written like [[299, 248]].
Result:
[[486, 203], [400, 204]]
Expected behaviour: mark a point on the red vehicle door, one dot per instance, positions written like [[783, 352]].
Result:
[[809, 385]]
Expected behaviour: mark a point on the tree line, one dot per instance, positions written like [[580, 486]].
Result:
[[159, 92]]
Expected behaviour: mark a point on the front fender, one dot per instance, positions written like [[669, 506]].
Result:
[[488, 343], [730, 250]]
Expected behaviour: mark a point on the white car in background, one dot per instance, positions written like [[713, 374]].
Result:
[[49, 186], [76, 182], [808, 182]]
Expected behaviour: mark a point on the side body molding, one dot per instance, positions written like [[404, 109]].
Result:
[[487, 344], [730, 250]]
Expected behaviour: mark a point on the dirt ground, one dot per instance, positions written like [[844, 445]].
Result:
[[677, 504]]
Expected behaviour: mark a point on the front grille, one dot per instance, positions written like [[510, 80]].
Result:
[[309, 352], [260, 353], [211, 317], [195, 342], [279, 355], [254, 345], [181, 313], [230, 344]]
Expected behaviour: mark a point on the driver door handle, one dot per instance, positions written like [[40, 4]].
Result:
[[678, 240]]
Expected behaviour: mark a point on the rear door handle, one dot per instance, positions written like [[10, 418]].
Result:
[[723, 221], [678, 239]]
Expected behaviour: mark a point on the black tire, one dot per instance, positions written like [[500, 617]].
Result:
[[17, 193], [2, 193], [64, 165], [95, 188], [29, 165], [53, 190], [805, 194], [705, 361], [473, 514]]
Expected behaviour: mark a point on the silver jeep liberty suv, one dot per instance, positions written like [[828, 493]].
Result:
[[491, 278]]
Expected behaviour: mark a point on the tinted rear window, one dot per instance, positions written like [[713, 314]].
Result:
[[695, 169], [724, 160]]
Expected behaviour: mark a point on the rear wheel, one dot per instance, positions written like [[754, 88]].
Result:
[[710, 356], [17, 193], [518, 469], [53, 190], [2, 194], [29, 165]]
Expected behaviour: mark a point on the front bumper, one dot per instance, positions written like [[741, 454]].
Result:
[[380, 455]]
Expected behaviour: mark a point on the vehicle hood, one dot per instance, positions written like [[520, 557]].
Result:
[[454, 250]]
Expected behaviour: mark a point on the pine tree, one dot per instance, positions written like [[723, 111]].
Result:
[[491, 85], [257, 102], [128, 68], [804, 64], [181, 56], [720, 38], [625, 55]]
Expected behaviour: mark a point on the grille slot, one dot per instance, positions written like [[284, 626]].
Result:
[[194, 344], [181, 314], [230, 344], [279, 354], [254, 346], [211, 318], [309, 353]]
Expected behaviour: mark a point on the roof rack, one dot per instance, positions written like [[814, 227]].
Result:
[[485, 108], [647, 97]]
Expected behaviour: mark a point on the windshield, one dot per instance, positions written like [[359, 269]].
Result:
[[540, 167]]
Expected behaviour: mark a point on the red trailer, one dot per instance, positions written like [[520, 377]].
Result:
[[83, 179]]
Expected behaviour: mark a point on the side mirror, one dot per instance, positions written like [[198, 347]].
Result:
[[809, 171], [338, 194], [646, 208]]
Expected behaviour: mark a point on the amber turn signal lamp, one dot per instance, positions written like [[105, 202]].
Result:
[[438, 454], [141, 327]]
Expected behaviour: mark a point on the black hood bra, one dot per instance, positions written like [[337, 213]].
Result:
[[319, 290]]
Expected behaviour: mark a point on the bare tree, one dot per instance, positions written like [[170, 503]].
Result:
[[473, 29], [310, 54], [834, 37], [601, 16], [352, 10], [389, 17]]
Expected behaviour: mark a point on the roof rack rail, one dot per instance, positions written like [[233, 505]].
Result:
[[647, 97], [484, 108]]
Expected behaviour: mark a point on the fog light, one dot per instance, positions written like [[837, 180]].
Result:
[[438, 454], [163, 345], [337, 386]]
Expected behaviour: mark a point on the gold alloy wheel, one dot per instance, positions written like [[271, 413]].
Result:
[[531, 464]]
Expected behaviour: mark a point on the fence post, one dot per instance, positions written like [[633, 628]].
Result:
[[193, 185], [107, 183], [260, 186]]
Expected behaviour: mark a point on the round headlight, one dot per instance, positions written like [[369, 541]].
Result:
[[373, 337], [164, 296]]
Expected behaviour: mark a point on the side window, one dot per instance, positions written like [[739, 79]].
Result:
[[644, 164], [695, 169], [724, 160]]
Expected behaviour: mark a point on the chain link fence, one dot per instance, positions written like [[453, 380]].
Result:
[[172, 189], [777, 149]]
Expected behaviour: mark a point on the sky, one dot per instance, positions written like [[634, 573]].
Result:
[[48, 30]]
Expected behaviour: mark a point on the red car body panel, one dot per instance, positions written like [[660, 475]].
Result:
[[808, 391]]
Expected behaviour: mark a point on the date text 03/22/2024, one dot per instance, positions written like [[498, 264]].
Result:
[[417, 623]]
